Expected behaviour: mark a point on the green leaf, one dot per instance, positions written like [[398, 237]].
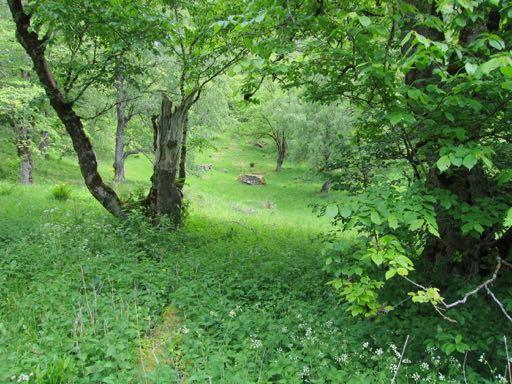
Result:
[[390, 274], [469, 161], [443, 163], [392, 221], [416, 224], [375, 217], [471, 68], [331, 211], [395, 117], [377, 258], [345, 211], [364, 20]]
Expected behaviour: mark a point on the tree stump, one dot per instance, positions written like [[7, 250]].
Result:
[[252, 179]]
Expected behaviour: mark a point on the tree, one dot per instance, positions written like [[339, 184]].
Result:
[[276, 116], [82, 71], [433, 78], [200, 50], [90, 50]]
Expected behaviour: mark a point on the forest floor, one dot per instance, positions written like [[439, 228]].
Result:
[[237, 295]]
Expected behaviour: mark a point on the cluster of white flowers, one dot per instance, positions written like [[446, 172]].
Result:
[[329, 323], [501, 379], [441, 376], [343, 358], [379, 352], [184, 330], [482, 358], [395, 350], [23, 377], [255, 342], [232, 313], [416, 376], [366, 344], [284, 330], [425, 366], [304, 372]]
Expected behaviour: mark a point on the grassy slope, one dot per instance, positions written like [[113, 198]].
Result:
[[236, 296]]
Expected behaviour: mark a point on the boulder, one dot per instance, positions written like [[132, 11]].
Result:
[[252, 179]]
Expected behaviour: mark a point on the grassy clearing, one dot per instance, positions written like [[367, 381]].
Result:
[[235, 296]]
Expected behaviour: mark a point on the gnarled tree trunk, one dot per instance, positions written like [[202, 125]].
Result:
[[165, 196], [35, 48]]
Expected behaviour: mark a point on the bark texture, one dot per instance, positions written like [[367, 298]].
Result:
[[122, 120], [165, 196], [35, 48], [280, 140], [183, 156], [24, 149]]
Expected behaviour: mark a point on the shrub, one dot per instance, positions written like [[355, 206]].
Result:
[[6, 188], [61, 191]]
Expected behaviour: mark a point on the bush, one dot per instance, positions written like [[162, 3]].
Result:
[[6, 188], [61, 191]]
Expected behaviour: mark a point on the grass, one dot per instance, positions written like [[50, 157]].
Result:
[[237, 295]]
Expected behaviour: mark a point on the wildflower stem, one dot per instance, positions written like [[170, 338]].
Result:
[[400, 362], [508, 360]]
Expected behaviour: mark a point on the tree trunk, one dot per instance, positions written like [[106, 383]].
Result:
[[35, 48], [452, 245], [281, 152], [43, 143], [165, 195], [24, 149], [183, 156], [119, 157]]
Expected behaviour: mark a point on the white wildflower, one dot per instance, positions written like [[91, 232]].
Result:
[[304, 372], [232, 314], [379, 352], [256, 343], [365, 344]]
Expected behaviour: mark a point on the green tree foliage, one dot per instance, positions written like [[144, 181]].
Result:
[[433, 80]]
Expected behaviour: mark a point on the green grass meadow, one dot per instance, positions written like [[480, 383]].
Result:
[[237, 295]]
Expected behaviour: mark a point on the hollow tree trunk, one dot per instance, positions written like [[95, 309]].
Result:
[[24, 149], [119, 157], [182, 175], [35, 48], [165, 195]]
